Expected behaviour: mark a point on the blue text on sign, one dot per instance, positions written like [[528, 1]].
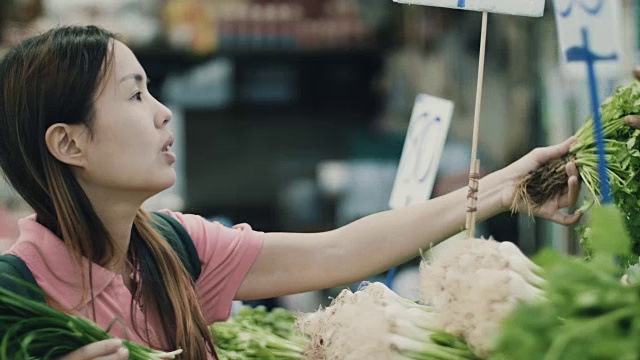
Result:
[[591, 10]]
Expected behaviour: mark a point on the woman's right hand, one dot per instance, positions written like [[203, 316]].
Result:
[[111, 349]]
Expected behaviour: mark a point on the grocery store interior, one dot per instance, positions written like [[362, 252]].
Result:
[[292, 115]]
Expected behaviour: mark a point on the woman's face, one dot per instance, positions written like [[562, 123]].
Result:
[[127, 151]]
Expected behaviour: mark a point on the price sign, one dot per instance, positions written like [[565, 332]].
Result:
[[591, 48], [422, 150], [532, 8], [589, 31]]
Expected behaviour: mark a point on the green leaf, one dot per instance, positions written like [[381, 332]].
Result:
[[631, 142], [608, 233]]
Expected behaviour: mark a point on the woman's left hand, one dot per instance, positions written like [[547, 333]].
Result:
[[550, 210], [634, 120]]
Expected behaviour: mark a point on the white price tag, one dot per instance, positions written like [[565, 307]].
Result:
[[590, 28], [532, 8], [422, 151]]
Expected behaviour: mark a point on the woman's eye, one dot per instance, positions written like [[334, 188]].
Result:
[[137, 96]]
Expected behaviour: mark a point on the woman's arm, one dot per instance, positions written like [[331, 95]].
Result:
[[292, 263]]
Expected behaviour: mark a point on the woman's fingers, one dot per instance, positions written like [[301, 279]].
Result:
[[122, 354], [546, 154], [571, 197], [572, 169], [552, 210], [96, 350], [566, 219], [633, 121]]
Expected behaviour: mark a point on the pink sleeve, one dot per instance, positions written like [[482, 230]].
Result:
[[226, 254]]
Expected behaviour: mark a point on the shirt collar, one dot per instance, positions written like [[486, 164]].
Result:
[[51, 261]]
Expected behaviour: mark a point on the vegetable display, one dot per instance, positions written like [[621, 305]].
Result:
[[375, 323], [481, 300], [589, 313], [622, 152], [255, 333]]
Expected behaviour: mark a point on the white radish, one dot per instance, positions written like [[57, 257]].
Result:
[[510, 249], [475, 286], [523, 290], [519, 265]]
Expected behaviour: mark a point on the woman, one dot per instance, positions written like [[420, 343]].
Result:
[[85, 144]]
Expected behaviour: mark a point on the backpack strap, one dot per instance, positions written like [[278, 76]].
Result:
[[175, 234], [15, 267], [181, 242]]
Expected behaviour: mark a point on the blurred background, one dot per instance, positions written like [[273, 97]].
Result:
[[291, 115]]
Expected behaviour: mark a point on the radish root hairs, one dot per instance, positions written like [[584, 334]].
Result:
[[476, 285]]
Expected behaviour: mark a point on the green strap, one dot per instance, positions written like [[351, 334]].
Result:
[[15, 267], [181, 242]]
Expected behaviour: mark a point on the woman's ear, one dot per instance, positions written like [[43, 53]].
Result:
[[67, 143]]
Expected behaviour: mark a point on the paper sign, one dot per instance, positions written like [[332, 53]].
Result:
[[422, 150], [533, 8], [590, 30]]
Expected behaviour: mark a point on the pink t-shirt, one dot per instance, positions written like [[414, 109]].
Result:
[[226, 254]]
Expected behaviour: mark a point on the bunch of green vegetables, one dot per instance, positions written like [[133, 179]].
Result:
[[256, 333], [32, 330], [623, 159], [589, 313], [622, 152]]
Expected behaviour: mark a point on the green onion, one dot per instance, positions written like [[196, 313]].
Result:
[[376, 323], [32, 330]]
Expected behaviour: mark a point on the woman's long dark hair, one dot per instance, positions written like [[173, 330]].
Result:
[[55, 78]]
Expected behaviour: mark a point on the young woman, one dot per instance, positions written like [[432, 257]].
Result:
[[85, 144]]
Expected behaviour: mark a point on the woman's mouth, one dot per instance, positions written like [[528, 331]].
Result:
[[169, 155], [166, 150]]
